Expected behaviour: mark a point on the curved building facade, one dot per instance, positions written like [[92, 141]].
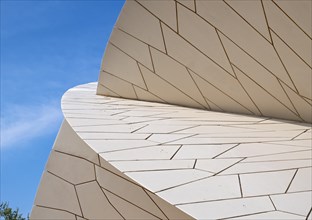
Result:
[[202, 110]]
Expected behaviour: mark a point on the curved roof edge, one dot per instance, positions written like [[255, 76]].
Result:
[[247, 57]]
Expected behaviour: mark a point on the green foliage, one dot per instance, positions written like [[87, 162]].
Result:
[[8, 214]]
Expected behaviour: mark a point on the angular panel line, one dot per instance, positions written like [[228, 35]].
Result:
[[243, 49], [110, 90], [284, 67], [209, 108], [291, 48], [145, 190], [162, 33], [240, 185], [265, 90], [291, 19], [187, 40], [309, 214], [247, 22], [229, 167], [110, 201], [214, 103], [297, 113], [52, 208], [272, 203], [292, 179], [224, 93], [225, 151], [127, 55], [239, 198], [136, 95], [130, 201], [193, 70], [175, 152], [205, 107], [182, 184], [79, 200], [177, 18], [270, 171], [227, 56], [300, 133], [266, 20]]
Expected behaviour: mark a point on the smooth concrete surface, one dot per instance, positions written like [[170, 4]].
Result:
[[125, 159], [249, 57]]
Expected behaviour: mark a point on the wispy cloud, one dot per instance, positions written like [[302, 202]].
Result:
[[24, 123]]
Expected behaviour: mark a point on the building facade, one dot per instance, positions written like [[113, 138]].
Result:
[[202, 110]]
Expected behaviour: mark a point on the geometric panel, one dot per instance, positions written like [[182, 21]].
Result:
[[252, 12], [299, 12], [173, 155], [117, 158], [197, 53]]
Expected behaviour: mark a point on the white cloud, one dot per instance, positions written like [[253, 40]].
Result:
[[24, 123]]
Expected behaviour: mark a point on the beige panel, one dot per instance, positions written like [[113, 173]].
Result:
[[308, 100], [267, 104], [56, 193], [303, 108], [297, 203], [119, 86], [253, 13], [177, 75], [211, 165], [273, 215], [167, 179], [140, 23], [215, 166], [213, 106], [158, 152], [265, 79], [216, 188], [166, 91], [94, 203], [289, 32], [302, 180], [300, 12], [207, 42], [146, 95], [188, 3], [109, 167], [153, 165], [126, 209], [104, 90], [128, 71], [203, 36], [169, 211], [228, 208], [68, 141], [222, 100], [132, 46], [126, 190], [164, 10], [300, 73], [201, 65], [256, 184], [73, 169], [41, 213], [235, 27]]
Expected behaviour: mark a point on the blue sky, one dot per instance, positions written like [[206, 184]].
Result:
[[47, 47]]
